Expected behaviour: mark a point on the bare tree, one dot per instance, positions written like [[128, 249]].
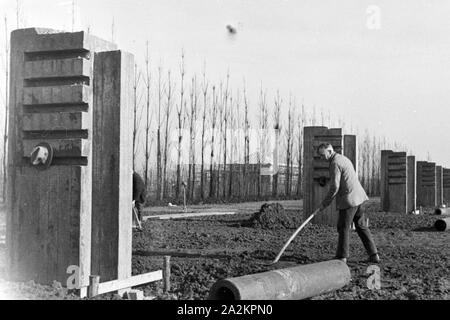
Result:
[[181, 115], [136, 80], [192, 134], [246, 144], [113, 27], [213, 116], [220, 137], [161, 90], [277, 128], [231, 115], [314, 116], [147, 126], [300, 126], [225, 120], [73, 15], [289, 146], [18, 12], [168, 111], [322, 117], [205, 85], [263, 126], [373, 155]]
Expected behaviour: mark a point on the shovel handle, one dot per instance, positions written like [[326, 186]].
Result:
[[294, 235]]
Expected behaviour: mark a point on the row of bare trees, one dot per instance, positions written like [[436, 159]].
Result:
[[213, 142], [223, 138]]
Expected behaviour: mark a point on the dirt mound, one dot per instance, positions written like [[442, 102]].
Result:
[[272, 216]]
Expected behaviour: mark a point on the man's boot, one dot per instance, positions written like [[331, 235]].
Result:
[[342, 259], [374, 258]]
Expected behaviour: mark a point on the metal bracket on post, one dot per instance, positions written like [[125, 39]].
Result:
[[42, 155]]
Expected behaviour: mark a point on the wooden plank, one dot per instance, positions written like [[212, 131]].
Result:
[[55, 41], [334, 141], [397, 167], [56, 95], [115, 285], [56, 121], [61, 148], [395, 161], [397, 180], [70, 67], [166, 274], [186, 215], [397, 174], [112, 165]]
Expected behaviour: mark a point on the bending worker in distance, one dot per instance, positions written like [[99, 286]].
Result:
[[350, 195], [139, 193]]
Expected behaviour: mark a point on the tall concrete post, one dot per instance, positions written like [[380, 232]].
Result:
[[446, 186], [394, 181], [384, 186], [411, 184], [426, 184], [316, 172], [49, 216], [439, 187], [351, 150], [112, 165]]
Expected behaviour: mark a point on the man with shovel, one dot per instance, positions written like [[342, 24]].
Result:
[[139, 195], [350, 195]]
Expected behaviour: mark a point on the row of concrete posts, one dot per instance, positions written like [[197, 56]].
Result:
[[407, 184]]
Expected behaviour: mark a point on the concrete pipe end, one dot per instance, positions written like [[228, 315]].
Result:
[[438, 211], [224, 290], [440, 225]]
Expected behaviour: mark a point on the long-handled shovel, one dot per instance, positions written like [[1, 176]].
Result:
[[139, 226], [293, 236]]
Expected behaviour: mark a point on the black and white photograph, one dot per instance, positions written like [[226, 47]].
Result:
[[224, 150]]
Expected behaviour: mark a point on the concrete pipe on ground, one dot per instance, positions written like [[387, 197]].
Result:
[[442, 224], [440, 211], [295, 283]]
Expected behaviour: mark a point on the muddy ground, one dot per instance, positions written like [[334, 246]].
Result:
[[415, 257]]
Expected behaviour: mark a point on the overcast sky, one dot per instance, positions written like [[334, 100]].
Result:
[[393, 80]]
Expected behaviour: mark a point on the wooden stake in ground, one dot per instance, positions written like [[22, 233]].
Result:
[[166, 274]]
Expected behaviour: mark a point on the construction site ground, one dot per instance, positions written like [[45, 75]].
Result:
[[415, 257]]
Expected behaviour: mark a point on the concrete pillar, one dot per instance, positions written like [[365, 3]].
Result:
[[394, 181], [411, 184], [49, 211], [316, 170], [439, 187], [384, 192], [112, 165], [446, 186], [426, 184], [351, 150]]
